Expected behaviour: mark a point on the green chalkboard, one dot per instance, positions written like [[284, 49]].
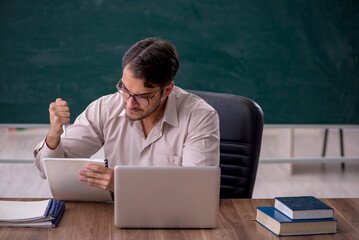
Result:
[[298, 59]]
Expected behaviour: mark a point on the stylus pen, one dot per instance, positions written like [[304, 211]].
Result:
[[64, 128]]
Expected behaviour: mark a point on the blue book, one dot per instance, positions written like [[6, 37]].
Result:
[[281, 225], [303, 207]]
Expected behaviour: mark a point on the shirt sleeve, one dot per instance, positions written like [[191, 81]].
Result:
[[201, 147], [43, 151], [83, 139]]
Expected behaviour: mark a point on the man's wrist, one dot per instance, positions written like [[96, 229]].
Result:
[[52, 141]]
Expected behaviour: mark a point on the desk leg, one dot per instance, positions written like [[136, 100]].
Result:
[[341, 146], [324, 150], [341, 142]]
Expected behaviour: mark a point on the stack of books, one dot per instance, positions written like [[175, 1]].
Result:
[[44, 213], [304, 215]]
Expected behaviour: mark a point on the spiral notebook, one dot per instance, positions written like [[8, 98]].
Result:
[[63, 178]]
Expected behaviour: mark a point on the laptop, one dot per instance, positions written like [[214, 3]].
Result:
[[166, 197]]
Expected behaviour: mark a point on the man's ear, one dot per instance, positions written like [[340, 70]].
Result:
[[168, 89]]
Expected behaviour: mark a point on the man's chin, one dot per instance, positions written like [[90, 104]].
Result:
[[140, 114], [134, 117]]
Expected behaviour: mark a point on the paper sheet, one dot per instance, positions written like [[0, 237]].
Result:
[[20, 210]]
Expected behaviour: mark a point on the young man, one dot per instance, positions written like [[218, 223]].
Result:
[[149, 121]]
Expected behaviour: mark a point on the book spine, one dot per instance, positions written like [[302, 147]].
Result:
[[56, 221], [49, 207]]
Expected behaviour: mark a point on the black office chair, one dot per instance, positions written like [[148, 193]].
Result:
[[241, 127]]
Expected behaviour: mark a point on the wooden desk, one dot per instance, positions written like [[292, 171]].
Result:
[[95, 221]]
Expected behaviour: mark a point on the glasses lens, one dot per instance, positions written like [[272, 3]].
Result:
[[125, 93], [138, 99], [141, 100]]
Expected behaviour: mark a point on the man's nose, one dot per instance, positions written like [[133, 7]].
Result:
[[131, 102]]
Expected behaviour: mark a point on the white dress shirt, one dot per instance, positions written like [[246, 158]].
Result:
[[187, 134]]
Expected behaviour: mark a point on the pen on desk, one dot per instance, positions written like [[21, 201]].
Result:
[[64, 128]]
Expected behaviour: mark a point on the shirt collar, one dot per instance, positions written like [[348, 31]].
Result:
[[171, 115], [123, 112]]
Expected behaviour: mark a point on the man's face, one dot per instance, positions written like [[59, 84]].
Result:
[[134, 110]]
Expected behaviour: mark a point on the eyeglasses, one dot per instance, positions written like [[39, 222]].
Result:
[[137, 97]]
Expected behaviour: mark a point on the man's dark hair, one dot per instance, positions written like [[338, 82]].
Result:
[[153, 59]]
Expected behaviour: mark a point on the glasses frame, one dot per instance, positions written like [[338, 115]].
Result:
[[135, 96]]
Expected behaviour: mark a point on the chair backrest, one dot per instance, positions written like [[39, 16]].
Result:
[[241, 128]]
